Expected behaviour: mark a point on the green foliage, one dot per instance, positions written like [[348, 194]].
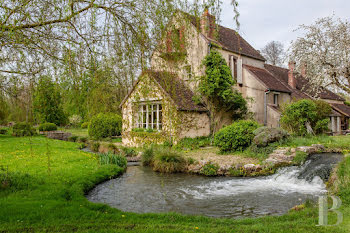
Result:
[[193, 143], [168, 161], [47, 127], [138, 130], [191, 161], [23, 129], [296, 115], [300, 157], [73, 138], [105, 125], [47, 102], [85, 125], [237, 136], [3, 131], [95, 146], [128, 152], [109, 158], [82, 139], [147, 156], [217, 84], [210, 169]]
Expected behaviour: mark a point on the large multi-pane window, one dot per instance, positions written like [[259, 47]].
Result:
[[150, 116]]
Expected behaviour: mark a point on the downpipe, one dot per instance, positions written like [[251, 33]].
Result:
[[267, 91]]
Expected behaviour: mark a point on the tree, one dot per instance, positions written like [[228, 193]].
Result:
[[274, 53], [216, 87], [324, 51], [47, 102]]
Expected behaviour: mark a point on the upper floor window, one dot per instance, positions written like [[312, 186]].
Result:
[[233, 66], [150, 116], [275, 99]]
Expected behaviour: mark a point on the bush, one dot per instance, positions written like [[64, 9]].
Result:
[[105, 125], [297, 115], [48, 127], [73, 138], [210, 169], [168, 161], [147, 156], [95, 146], [193, 143], [23, 129], [82, 139], [237, 136], [3, 131], [129, 152], [264, 136], [112, 147], [74, 120], [109, 158], [85, 125]]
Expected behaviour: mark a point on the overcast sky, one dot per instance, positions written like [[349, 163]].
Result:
[[265, 20]]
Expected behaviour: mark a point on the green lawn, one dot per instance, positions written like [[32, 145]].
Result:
[[76, 131], [38, 199]]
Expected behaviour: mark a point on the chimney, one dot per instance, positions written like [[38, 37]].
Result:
[[291, 78], [303, 68], [207, 24]]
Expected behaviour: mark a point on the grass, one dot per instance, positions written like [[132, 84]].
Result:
[[76, 131], [42, 201]]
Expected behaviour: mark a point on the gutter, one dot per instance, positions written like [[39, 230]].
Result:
[[267, 91]]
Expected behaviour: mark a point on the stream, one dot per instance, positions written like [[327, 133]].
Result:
[[142, 190]]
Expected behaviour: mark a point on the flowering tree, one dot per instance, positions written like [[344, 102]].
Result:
[[325, 50]]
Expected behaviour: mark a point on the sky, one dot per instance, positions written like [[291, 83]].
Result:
[[262, 21]]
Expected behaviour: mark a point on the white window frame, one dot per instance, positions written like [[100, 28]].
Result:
[[149, 123]]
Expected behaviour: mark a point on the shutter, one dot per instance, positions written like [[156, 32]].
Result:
[[239, 71]]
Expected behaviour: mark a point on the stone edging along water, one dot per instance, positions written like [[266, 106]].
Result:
[[280, 157]]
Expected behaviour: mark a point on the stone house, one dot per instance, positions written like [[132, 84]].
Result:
[[162, 100]]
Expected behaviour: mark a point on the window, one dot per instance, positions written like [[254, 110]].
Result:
[[188, 72], [275, 99], [233, 66], [150, 116]]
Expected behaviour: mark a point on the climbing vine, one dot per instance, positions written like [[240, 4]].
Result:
[[216, 87]]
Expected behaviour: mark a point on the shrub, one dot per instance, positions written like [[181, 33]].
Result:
[[73, 138], [23, 129], [210, 169], [264, 136], [168, 161], [109, 158], [74, 120], [112, 147], [48, 127], [237, 136], [147, 156], [95, 146], [193, 143], [3, 131], [105, 125], [129, 152], [297, 115], [300, 157], [85, 125], [191, 160], [81, 146], [82, 139]]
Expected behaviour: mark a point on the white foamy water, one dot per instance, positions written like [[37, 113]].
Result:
[[284, 182]]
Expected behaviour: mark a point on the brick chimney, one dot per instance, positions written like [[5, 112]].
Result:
[[291, 78], [207, 24]]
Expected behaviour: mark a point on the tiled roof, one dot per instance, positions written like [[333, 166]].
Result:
[[268, 79], [342, 108], [303, 87], [230, 40], [176, 89]]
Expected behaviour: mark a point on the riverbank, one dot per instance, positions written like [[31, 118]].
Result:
[[39, 200]]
